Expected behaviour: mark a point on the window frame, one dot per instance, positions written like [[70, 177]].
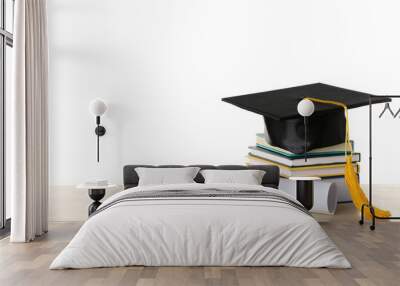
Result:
[[6, 39]]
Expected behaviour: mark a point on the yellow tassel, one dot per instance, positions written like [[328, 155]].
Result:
[[357, 195]]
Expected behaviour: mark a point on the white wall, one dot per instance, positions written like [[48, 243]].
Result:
[[163, 67]]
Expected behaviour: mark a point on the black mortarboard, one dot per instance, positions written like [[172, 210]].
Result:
[[285, 126]]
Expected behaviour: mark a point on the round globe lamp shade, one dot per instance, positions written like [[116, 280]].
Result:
[[97, 107], [305, 107]]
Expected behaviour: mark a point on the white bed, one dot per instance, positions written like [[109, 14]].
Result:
[[202, 231]]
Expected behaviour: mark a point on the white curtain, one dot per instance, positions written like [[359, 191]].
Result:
[[28, 123]]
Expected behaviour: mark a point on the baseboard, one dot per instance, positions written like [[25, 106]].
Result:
[[69, 204]]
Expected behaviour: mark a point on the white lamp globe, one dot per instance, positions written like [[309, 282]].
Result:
[[305, 107], [97, 107]]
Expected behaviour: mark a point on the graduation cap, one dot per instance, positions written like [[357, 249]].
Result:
[[285, 126]]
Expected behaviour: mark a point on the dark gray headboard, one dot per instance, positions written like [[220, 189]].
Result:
[[271, 177]]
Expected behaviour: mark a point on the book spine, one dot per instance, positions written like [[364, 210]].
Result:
[[295, 162], [305, 167]]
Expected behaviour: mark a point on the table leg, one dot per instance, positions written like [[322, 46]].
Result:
[[305, 193]]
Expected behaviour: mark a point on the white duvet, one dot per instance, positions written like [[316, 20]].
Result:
[[193, 231]]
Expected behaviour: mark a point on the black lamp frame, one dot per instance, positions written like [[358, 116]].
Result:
[[370, 205], [305, 137]]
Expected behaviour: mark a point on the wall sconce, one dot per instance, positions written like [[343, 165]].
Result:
[[97, 107], [305, 108]]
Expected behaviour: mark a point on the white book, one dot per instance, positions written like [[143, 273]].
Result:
[[97, 183]]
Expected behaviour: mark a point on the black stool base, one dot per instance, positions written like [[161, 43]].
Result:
[[96, 195], [305, 193]]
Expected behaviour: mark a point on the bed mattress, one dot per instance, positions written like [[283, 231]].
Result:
[[201, 225]]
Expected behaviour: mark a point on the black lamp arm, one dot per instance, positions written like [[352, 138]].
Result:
[[305, 138], [100, 131]]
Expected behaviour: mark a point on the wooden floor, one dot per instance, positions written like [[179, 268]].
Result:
[[375, 257]]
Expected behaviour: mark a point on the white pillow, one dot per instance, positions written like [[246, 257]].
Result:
[[248, 177], [166, 176]]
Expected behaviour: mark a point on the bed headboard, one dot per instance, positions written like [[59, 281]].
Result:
[[271, 177]]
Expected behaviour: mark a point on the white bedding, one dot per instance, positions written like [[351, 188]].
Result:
[[200, 231]]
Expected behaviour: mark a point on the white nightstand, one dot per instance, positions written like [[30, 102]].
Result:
[[96, 193]]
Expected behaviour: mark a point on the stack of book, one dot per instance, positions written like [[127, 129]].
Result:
[[327, 163]]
